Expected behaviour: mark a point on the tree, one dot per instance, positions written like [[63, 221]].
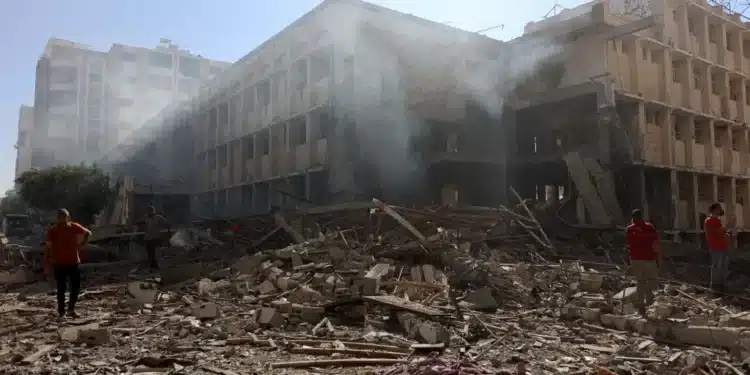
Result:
[[12, 203], [83, 190]]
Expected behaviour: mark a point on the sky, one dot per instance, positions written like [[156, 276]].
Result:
[[219, 29]]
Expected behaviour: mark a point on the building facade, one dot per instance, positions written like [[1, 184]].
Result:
[[330, 110], [658, 94], [87, 101], [23, 142]]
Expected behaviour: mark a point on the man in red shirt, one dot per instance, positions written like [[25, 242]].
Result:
[[645, 257], [61, 256], [718, 245]]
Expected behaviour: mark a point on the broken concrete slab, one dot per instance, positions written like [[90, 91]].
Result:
[[269, 317], [206, 311], [248, 264], [481, 299], [206, 286], [266, 287], [433, 334], [21, 275], [183, 272], [74, 333]]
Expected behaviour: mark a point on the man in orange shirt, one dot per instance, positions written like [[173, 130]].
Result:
[[718, 245], [61, 256], [644, 250]]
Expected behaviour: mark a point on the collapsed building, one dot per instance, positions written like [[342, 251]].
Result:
[[598, 110]]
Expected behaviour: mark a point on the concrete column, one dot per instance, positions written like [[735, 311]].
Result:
[[674, 185], [710, 145], [731, 204], [744, 151], [703, 34], [696, 210], [714, 189], [689, 131], [727, 150], [682, 26], [640, 152], [721, 46], [634, 60], [668, 137], [742, 95]]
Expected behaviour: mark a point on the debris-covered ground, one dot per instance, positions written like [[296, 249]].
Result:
[[371, 289]]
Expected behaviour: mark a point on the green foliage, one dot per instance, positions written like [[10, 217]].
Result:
[[83, 190], [12, 203]]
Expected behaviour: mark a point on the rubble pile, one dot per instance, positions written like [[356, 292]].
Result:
[[371, 288]]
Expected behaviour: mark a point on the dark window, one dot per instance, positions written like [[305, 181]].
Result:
[[160, 82], [95, 78], [249, 146], [63, 75], [320, 64], [223, 156], [248, 100], [247, 196], [264, 142], [297, 131], [211, 160], [21, 138], [62, 98], [161, 60], [223, 113], [190, 67], [125, 102]]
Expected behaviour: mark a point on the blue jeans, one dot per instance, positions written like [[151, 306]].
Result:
[[719, 267]]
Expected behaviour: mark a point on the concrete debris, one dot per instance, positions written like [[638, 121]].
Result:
[[404, 291]]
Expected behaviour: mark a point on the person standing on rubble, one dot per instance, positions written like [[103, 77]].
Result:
[[153, 237], [62, 257], [718, 244], [645, 258]]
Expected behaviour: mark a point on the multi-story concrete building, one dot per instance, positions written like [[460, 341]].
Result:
[[23, 142], [350, 101], [87, 101], [654, 101]]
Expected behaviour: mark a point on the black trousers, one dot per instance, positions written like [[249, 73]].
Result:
[[151, 246], [64, 274]]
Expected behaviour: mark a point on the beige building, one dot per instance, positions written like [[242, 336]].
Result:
[[23, 142], [331, 108], [87, 101], [668, 88]]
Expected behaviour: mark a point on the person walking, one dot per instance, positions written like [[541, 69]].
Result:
[[718, 246], [645, 255], [61, 258], [153, 237]]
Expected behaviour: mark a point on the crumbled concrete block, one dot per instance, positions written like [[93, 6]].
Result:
[[663, 311], [368, 286], [286, 253], [481, 299], [269, 317], [378, 271], [273, 273], [206, 286], [21, 275], [220, 274], [206, 311], [429, 274], [591, 282], [433, 333], [739, 320], [91, 334], [248, 264], [283, 305], [142, 292], [96, 336], [304, 294], [286, 283], [416, 274], [297, 260], [266, 287], [310, 314]]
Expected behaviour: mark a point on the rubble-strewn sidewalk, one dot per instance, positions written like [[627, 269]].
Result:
[[370, 289]]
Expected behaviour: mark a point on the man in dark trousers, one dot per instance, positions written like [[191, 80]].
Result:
[[62, 257], [645, 258], [717, 240], [154, 223]]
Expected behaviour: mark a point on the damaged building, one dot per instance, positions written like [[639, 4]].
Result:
[[598, 110], [649, 112], [375, 106]]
